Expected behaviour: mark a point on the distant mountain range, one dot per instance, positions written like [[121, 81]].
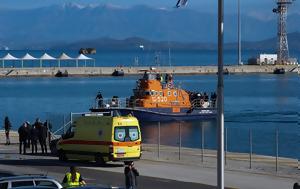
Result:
[[134, 43], [74, 25]]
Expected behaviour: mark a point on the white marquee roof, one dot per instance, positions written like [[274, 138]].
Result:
[[9, 57], [64, 56], [47, 57], [28, 57], [83, 57]]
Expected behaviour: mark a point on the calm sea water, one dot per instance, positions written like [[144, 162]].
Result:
[[145, 57], [262, 103]]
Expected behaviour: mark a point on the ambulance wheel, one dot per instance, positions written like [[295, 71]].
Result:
[[99, 159], [62, 156]]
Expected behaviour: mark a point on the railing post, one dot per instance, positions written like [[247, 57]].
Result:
[[202, 143], [277, 148], [250, 144], [158, 141], [225, 146], [64, 124], [179, 140]]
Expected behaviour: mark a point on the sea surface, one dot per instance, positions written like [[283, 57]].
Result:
[[262, 103], [144, 57]]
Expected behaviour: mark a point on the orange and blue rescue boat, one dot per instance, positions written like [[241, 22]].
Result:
[[155, 99]]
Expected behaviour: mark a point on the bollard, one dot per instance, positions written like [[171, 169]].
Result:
[[158, 141]]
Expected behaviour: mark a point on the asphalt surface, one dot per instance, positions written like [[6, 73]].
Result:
[[57, 169]]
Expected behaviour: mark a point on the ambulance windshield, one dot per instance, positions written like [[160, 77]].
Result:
[[125, 134]]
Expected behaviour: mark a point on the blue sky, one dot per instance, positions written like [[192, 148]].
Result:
[[248, 6]]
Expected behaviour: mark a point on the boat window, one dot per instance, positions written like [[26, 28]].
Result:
[[151, 93], [161, 93], [125, 134], [175, 93], [147, 93], [169, 93]]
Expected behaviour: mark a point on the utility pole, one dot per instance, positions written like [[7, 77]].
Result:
[[220, 97], [282, 41]]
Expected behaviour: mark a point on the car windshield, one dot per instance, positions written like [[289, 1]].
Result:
[[125, 134]]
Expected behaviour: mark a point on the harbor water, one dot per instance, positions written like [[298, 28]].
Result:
[[261, 103]]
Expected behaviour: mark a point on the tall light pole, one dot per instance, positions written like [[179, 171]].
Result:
[[220, 93], [239, 34], [220, 96]]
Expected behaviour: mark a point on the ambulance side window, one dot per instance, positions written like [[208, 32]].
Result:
[[69, 133]]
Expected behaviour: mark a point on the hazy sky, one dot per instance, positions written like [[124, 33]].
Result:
[[259, 7]]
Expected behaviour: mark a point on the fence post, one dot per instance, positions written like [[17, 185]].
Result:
[[179, 140], [250, 144], [158, 141], [277, 148], [202, 143], [225, 146], [64, 124]]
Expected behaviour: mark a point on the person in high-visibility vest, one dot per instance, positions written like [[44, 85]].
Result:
[[73, 179]]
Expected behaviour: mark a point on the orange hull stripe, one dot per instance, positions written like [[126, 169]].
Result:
[[87, 142]]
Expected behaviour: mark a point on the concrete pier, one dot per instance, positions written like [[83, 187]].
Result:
[[107, 71]]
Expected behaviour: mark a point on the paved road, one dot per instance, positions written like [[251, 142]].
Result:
[[154, 174], [92, 176]]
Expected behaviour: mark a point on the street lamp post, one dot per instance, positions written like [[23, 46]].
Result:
[[220, 91]]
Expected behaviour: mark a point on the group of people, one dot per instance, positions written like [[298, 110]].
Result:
[[74, 179], [32, 134]]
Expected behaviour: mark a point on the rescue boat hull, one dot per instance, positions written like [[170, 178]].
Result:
[[164, 114]]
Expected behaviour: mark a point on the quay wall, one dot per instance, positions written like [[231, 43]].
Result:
[[106, 71]]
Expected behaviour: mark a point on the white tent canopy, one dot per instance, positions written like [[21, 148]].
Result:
[[64, 56], [28, 57], [83, 57], [9, 57], [47, 57]]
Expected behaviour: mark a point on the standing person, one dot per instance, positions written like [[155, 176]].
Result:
[[73, 179], [38, 124], [99, 99], [29, 134], [130, 175], [23, 135], [7, 127], [34, 133]]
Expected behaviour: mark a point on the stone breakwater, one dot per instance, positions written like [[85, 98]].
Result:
[[107, 71]]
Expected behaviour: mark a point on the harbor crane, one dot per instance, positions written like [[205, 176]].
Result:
[[282, 41]]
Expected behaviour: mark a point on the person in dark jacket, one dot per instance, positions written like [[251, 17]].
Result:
[[42, 134], [43, 138], [296, 186], [23, 135], [29, 134], [130, 175], [7, 127], [34, 133]]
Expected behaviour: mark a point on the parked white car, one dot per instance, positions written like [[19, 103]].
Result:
[[34, 181]]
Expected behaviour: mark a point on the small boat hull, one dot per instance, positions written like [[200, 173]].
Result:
[[164, 114]]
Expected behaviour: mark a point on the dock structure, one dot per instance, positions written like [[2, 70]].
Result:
[[107, 71]]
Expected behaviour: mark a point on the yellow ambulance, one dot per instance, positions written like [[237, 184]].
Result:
[[101, 138]]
